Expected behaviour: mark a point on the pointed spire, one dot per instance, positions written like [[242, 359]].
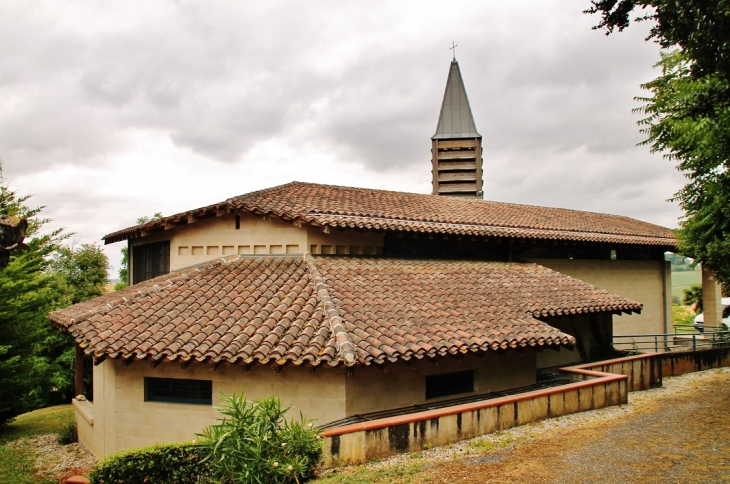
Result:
[[456, 148], [455, 120]]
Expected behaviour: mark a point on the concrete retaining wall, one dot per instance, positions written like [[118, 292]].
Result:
[[643, 371], [679, 363], [357, 443]]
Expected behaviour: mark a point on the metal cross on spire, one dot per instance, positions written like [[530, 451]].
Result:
[[453, 48]]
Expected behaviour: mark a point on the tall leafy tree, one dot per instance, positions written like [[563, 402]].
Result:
[[83, 273], [688, 112], [28, 291], [83, 269]]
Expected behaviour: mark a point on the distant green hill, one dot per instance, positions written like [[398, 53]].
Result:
[[684, 275]]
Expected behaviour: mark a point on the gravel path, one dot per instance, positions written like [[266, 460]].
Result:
[[677, 433]]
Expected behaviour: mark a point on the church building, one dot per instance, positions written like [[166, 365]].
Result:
[[349, 301]]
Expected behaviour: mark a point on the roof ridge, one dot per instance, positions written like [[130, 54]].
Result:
[[230, 200], [344, 343], [325, 185]]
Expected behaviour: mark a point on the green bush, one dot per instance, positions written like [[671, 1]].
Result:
[[161, 464], [254, 443], [693, 297], [682, 315], [67, 434]]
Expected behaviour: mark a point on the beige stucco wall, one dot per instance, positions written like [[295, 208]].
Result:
[[211, 238], [215, 237], [123, 419], [641, 281], [403, 384]]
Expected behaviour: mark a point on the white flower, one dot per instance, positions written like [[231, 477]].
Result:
[[283, 444], [276, 464], [289, 468]]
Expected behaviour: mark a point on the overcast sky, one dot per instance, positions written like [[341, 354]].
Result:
[[114, 110]]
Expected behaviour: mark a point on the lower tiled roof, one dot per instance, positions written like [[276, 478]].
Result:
[[333, 310]]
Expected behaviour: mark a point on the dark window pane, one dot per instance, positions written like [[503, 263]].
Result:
[[449, 384], [150, 261], [178, 391]]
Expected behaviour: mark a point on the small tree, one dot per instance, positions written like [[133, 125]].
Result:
[[123, 270], [255, 443], [693, 297]]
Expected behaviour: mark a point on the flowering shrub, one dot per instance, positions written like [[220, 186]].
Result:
[[254, 443]]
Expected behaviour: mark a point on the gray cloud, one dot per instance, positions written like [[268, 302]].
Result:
[[221, 79], [360, 81]]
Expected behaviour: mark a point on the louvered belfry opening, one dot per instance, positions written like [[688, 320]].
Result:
[[456, 152], [457, 167]]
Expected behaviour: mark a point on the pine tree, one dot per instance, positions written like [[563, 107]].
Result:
[[28, 292]]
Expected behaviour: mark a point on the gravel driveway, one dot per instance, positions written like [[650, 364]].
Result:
[[678, 433]]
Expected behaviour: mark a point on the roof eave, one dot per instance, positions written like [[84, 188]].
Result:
[[170, 222]]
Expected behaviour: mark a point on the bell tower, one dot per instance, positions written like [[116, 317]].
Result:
[[456, 150]]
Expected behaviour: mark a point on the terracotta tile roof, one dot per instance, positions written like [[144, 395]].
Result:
[[333, 310], [397, 211]]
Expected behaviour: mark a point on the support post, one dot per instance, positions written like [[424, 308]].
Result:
[[711, 293], [79, 370]]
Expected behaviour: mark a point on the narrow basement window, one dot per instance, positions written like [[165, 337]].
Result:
[[448, 384], [173, 390]]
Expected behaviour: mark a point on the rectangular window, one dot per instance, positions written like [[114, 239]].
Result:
[[150, 260], [173, 390], [448, 384]]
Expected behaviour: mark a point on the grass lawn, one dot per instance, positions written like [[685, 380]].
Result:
[[16, 466], [405, 473], [682, 280]]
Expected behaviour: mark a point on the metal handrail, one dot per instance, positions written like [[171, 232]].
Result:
[[692, 328], [662, 342]]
